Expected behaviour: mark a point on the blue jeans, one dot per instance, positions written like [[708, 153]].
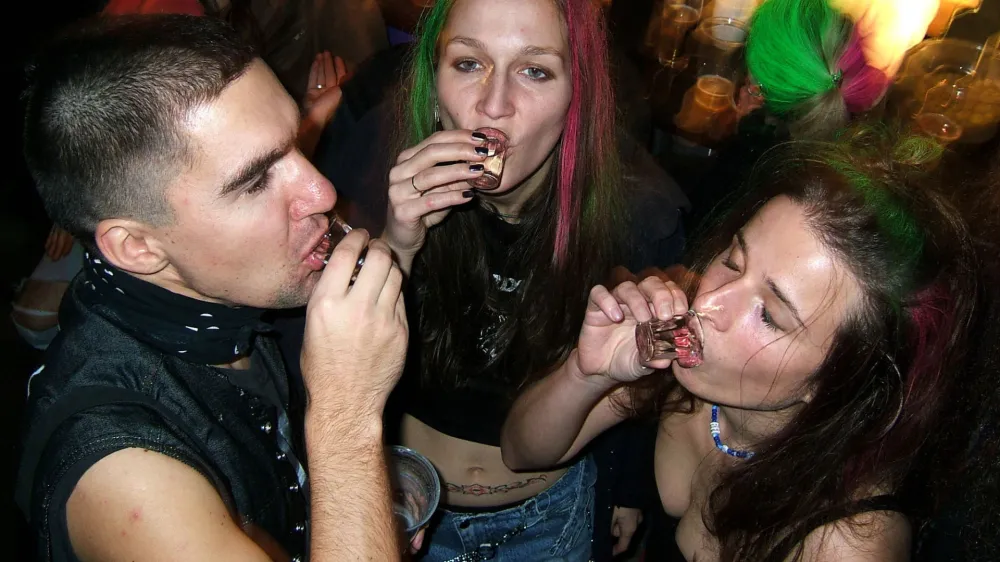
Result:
[[555, 525]]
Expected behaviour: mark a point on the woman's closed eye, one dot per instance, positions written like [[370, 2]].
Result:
[[767, 319], [765, 316], [729, 262]]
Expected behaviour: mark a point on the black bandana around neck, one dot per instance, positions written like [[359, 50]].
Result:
[[194, 330]]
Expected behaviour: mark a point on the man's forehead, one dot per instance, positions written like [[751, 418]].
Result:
[[253, 112], [252, 117]]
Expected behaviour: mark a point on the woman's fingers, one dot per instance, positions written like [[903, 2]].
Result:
[[453, 136], [666, 297], [629, 294]]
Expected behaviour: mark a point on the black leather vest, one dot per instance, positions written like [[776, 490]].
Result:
[[102, 390]]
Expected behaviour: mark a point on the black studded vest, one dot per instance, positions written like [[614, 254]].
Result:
[[102, 390]]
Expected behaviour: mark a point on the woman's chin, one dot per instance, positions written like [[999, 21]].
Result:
[[689, 377]]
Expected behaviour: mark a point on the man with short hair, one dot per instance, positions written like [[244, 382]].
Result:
[[162, 425]]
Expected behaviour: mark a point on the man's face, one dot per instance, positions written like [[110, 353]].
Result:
[[249, 209]]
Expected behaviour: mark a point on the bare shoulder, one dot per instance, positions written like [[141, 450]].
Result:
[[875, 536], [136, 504]]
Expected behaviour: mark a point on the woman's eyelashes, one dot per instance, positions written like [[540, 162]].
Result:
[[535, 73], [765, 316]]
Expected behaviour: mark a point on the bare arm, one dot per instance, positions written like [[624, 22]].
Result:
[[556, 417], [551, 421], [135, 504], [351, 512], [352, 355], [141, 505]]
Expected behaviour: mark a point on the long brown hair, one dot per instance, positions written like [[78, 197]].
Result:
[[960, 466], [872, 201]]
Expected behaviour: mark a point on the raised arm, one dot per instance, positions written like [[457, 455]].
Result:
[[555, 418], [352, 355]]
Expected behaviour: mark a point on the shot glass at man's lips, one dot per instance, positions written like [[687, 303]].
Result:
[[680, 337], [496, 146], [339, 229]]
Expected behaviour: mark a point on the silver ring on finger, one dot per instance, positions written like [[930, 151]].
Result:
[[413, 183], [319, 86]]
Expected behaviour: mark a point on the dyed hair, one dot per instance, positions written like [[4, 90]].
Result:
[[961, 464], [103, 104], [570, 229], [871, 200], [808, 61]]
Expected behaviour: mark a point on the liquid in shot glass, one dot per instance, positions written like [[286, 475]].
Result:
[[496, 145], [680, 337], [338, 229]]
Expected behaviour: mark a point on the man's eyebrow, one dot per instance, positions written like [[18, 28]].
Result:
[[256, 167]]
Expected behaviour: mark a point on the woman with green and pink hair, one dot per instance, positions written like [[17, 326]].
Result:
[[499, 272], [813, 66]]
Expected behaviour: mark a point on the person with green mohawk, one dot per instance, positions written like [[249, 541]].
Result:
[[806, 63], [812, 66]]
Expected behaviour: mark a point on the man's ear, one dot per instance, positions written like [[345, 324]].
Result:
[[130, 246]]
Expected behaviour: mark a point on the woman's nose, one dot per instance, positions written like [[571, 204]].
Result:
[[712, 307], [495, 102]]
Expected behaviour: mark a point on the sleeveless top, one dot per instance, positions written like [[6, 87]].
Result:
[[102, 390]]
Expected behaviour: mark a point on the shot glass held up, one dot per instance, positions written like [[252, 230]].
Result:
[[681, 336], [339, 229], [496, 145]]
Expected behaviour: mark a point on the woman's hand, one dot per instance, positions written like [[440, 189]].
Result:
[[426, 182], [322, 98], [624, 522], [323, 93], [607, 340], [58, 244], [417, 542]]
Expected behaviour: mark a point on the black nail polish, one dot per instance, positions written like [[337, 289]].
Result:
[[482, 150], [467, 194], [476, 168], [479, 136]]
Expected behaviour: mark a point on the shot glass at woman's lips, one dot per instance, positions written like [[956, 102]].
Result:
[[680, 337], [496, 146]]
